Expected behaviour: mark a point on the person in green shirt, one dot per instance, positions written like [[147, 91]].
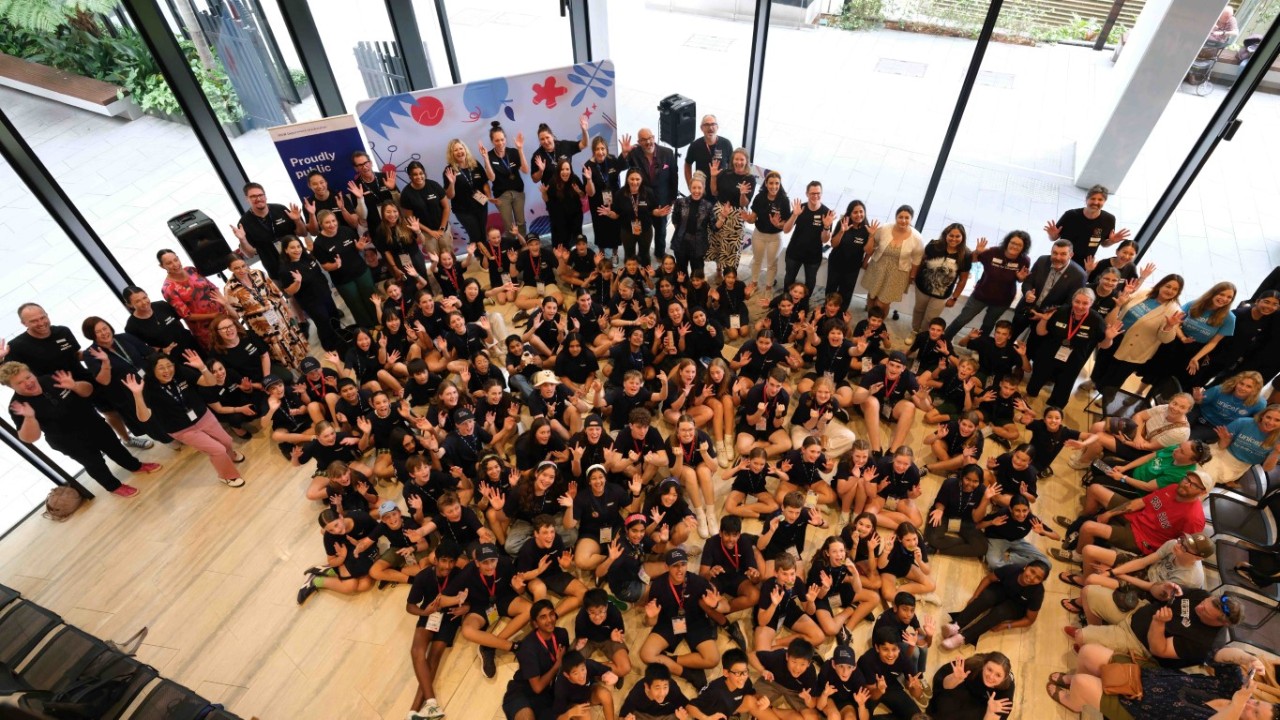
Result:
[[1144, 475]]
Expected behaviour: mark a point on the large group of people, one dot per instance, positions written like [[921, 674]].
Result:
[[524, 430]]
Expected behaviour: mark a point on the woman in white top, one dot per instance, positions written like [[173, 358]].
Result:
[[893, 258]]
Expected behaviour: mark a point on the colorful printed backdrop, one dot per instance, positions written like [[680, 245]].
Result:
[[419, 125]]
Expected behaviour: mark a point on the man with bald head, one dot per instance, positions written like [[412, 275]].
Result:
[[707, 149], [657, 165]]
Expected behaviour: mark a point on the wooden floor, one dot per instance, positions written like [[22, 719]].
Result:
[[213, 572]]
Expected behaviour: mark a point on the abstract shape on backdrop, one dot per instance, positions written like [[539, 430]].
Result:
[[381, 112], [591, 76], [456, 112], [486, 98], [548, 92], [428, 111]]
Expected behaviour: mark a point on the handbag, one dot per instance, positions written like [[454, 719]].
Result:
[[1126, 597], [1122, 679], [62, 503]]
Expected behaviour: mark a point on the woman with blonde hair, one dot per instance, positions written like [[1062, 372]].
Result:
[[1208, 320], [731, 189], [1248, 442], [1238, 396], [467, 187], [400, 239]]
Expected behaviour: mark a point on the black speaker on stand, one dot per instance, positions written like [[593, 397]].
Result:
[[677, 120], [202, 240]]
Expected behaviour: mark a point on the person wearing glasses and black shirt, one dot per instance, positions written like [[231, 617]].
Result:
[[657, 166], [710, 148], [265, 224], [378, 188]]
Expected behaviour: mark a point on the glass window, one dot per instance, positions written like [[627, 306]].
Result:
[[499, 38], [127, 177], [349, 45], [22, 488]]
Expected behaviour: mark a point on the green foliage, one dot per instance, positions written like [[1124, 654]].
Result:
[[298, 78], [46, 15], [860, 14], [124, 60]]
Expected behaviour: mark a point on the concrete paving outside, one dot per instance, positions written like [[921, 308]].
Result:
[[864, 112]]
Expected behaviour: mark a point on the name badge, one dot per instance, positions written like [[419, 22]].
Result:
[[635, 227], [953, 526], [678, 625], [833, 599], [829, 375], [271, 316], [542, 288], [1063, 354], [191, 415], [811, 499], [435, 619], [606, 198], [735, 322], [762, 425], [480, 198], [866, 365], [506, 278], [491, 614], [606, 535]]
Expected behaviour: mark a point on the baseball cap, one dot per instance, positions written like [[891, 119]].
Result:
[[904, 598], [1197, 544], [677, 555], [593, 420], [271, 380], [487, 551], [387, 506], [309, 364], [542, 377], [462, 415], [898, 356], [1205, 478], [843, 655]]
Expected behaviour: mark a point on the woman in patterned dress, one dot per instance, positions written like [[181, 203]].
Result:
[[733, 188], [265, 310], [196, 300]]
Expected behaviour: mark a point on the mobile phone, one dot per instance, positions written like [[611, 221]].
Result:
[[1252, 672], [1102, 467]]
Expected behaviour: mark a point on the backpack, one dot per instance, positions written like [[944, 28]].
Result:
[[62, 503]]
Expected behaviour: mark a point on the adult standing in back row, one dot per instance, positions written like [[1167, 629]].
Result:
[[812, 232], [264, 225], [893, 257], [772, 214], [1089, 227], [710, 148], [657, 167]]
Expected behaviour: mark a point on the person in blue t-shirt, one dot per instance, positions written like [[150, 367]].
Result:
[[1208, 320], [1239, 396], [1247, 441]]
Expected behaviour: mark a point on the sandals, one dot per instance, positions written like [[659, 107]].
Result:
[[1065, 556], [1072, 606], [1055, 692], [1071, 579], [1062, 680]]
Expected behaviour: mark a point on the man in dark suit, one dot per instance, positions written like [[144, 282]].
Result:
[[657, 165], [1053, 279]]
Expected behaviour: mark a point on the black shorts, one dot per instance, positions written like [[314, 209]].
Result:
[[448, 631], [695, 635], [727, 584], [557, 582], [518, 698], [760, 435], [504, 610], [789, 618]]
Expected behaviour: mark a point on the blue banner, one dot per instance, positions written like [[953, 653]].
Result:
[[324, 145]]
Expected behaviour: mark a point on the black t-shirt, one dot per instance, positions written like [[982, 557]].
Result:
[[940, 270], [870, 666], [834, 360], [900, 484], [1082, 336], [1012, 529], [639, 702], [716, 697], [626, 569], [621, 404], [595, 513], [583, 628], [325, 455], [331, 204], [568, 693], [901, 560], [763, 208], [676, 599], [175, 405], [727, 190], [562, 150], [787, 535], [262, 234], [761, 362], [890, 391], [533, 270], [427, 586], [342, 245], [735, 561], [1010, 478], [775, 408], [465, 450], [1027, 597], [929, 355], [1085, 235], [485, 591], [995, 362], [1001, 410], [531, 554], [1193, 641], [802, 473], [577, 368], [752, 483], [464, 531], [426, 204], [535, 657], [162, 329], [852, 247], [845, 689], [700, 156], [806, 239], [63, 415], [362, 527], [506, 171], [246, 357], [955, 501], [1047, 444], [775, 661], [397, 538], [314, 287], [46, 356], [626, 443]]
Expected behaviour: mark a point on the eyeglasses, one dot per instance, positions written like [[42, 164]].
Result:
[[363, 165], [257, 196], [737, 673], [710, 124]]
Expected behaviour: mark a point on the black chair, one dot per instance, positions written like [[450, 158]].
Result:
[[1228, 554], [1237, 517], [1255, 483], [1258, 627], [8, 595], [22, 626], [1122, 403], [167, 700]]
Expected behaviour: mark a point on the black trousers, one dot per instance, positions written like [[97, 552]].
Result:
[[95, 439], [897, 700], [986, 611], [970, 542]]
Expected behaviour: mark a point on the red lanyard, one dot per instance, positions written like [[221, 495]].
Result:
[[452, 272], [639, 446], [492, 589], [553, 648], [688, 452], [679, 598], [1071, 332], [316, 394], [888, 389], [735, 558]]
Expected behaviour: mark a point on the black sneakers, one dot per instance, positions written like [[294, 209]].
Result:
[[696, 678], [488, 661], [307, 590], [735, 634]]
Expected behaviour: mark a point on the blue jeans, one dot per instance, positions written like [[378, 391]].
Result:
[[521, 384], [1020, 552]]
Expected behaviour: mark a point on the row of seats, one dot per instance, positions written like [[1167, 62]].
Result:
[[51, 669]]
